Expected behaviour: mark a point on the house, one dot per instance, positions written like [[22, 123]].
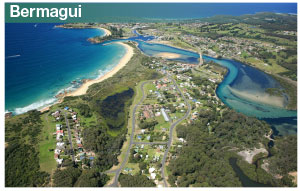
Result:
[[151, 170], [74, 117], [182, 140], [148, 137], [157, 114], [60, 144], [146, 114], [152, 176], [57, 151], [58, 126], [60, 132], [59, 161], [127, 169]]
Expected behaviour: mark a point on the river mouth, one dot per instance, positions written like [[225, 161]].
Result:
[[243, 89]]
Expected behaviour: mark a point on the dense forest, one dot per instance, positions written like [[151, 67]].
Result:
[[127, 180], [106, 146], [210, 142], [21, 153], [75, 177], [284, 155]]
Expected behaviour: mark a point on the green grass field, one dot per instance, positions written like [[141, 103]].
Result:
[[48, 141]]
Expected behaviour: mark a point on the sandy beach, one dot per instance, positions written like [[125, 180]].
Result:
[[168, 55], [84, 87], [107, 32]]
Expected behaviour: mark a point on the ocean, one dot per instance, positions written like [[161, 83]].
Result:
[[42, 61]]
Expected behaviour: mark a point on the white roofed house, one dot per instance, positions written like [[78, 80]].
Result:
[[60, 145], [58, 126], [151, 170]]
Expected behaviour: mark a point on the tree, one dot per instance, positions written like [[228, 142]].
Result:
[[66, 177], [92, 178], [127, 180]]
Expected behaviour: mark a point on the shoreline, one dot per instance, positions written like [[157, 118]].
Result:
[[88, 82], [292, 102], [84, 87], [106, 31]]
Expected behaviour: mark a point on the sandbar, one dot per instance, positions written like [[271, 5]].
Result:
[[168, 55], [263, 98]]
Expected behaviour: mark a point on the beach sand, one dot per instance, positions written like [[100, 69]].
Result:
[[259, 97], [168, 43], [107, 32], [84, 87], [82, 90], [168, 55]]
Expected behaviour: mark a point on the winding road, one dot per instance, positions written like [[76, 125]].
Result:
[[171, 132], [118, 171]]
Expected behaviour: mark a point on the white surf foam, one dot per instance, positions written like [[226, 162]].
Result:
[[35, 105]]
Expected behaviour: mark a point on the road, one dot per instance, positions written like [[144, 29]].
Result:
[[69, 135], [118, 171], [171, 132]]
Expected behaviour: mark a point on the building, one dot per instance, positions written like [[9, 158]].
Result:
[[166, 117]]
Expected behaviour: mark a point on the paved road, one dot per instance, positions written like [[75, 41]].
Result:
[[118, 171], [171, 132], [70, 136]]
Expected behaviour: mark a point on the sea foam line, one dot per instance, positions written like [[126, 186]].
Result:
[[35, 105]]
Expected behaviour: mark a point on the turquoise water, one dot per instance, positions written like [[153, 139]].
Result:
[[41, 61], [241, 78], [35, 73]]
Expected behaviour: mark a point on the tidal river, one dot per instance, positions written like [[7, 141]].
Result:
[[243, 88]]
